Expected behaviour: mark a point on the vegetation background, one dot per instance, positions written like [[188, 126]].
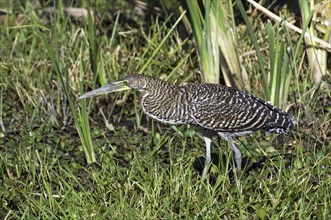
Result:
[[103, 159]]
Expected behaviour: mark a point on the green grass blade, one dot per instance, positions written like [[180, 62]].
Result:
[[142, 69], [257, 49], [86, 143]]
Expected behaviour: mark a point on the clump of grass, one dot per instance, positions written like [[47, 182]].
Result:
[[213, 27]]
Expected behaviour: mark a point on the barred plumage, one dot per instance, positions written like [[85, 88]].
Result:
[[215, 108]]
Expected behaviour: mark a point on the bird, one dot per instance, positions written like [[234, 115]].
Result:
[[215, 108]]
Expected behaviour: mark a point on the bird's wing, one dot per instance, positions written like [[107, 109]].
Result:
[[225, 109]]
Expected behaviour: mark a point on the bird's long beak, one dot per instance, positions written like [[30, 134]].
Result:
[[113, 87]]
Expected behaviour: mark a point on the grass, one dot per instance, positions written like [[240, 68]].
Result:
[[144, 170]]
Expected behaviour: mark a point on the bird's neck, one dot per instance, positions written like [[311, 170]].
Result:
[[157, 95], [159, 89]]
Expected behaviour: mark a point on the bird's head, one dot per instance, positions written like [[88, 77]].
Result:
[[135, 82]]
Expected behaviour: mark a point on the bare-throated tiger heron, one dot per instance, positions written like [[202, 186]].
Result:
[[214, 108]]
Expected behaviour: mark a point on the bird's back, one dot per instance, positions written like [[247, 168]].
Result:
[[225, 109]]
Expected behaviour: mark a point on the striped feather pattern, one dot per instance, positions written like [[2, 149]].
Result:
[[210, 106]]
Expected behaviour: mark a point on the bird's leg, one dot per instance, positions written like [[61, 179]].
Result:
[[237, 154], [207, 136], [208, 156]]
